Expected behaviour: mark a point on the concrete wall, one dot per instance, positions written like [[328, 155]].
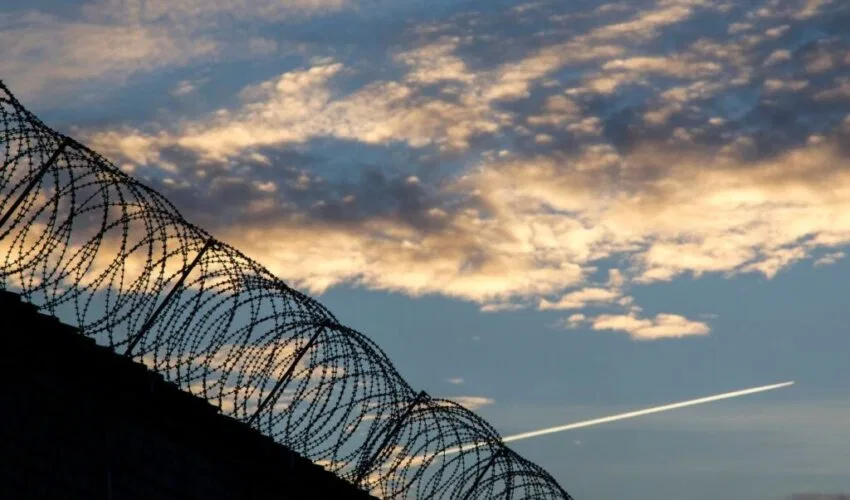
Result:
[[80, 422]]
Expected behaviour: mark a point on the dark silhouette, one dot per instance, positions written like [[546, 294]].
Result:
[[81, 422]]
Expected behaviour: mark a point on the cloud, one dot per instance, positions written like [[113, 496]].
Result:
[[185, 87], [300, 105], [510, 174], [571, 322], [528, 226], [455, 380], [397, 257], [829, 259], [42, 51], [194, 13], [472, 403], [840, 92], [661, 326], [108, 41], [819, 496], [503, 306], [647, 23], [811, 8], [581, 299], [671, 65], [442, 100]]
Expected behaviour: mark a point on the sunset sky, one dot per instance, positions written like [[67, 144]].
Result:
[[548, 210]]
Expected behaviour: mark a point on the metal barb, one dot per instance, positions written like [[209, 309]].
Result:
[[289, 371], [149, 323], [35, 180], [396, 426], [481, 474]]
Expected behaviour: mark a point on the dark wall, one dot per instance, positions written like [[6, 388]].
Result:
[[78, 421]]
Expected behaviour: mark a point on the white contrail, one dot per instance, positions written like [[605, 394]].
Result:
[[623, 416]]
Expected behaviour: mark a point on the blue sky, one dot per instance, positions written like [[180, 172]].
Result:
[[548, 210]]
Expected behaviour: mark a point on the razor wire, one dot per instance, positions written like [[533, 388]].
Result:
[[91, 245]]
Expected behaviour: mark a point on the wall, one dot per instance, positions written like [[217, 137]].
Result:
[[78, 421]]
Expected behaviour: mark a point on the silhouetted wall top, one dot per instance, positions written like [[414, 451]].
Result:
[[87, 423]]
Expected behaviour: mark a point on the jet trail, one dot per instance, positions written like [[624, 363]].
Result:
[[646, 411], [623, 416]]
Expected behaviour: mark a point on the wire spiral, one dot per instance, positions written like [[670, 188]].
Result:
[[98, 249]]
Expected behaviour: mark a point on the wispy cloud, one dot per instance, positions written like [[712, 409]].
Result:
[[829, 259], [194, 12], [581, 298], [660, 326], [42, 51], [472, 402]]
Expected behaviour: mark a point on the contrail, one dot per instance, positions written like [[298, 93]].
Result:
[[646, 411], [631, 414]]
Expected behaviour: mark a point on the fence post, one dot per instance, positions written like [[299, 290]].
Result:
[[35, 180], [396, 426], [149, 323], [288, 374]]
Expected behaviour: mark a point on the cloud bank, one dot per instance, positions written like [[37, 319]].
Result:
[[534, 155]]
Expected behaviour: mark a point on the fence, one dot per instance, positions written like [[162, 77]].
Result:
[[102, 251]]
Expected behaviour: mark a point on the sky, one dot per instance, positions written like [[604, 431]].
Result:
[[549, 211]]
